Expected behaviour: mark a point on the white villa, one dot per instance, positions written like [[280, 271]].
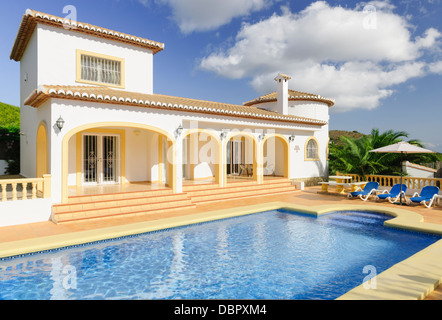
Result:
[[91, 122]]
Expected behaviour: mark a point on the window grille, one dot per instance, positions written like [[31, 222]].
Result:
[[312, 149], [100, 70]]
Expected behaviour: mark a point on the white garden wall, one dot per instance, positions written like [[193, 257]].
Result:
[[25, 211], [59, 61]]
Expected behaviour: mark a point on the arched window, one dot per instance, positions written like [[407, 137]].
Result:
[[311, 149]]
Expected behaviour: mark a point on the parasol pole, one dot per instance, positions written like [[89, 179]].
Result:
[[400, 201]]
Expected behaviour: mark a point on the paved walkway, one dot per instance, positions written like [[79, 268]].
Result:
[[309, 197]]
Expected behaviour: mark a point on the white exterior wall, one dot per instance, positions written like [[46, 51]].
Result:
[[416, 171], [273, 157], [30, 119], [308, 109], [141, 155], [28, 147], [73, 112], [299, 167], [50, 58], [205, 166], [24, 211], [28, 115], [72, 165], [29, 69], [57, 57]]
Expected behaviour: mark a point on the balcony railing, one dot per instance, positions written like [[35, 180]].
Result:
[[389, 181], [23, 189]]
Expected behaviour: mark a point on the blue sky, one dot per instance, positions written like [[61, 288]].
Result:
[[380, 60]]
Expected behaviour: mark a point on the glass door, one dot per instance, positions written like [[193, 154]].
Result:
[[109, 153], [90, 159], [100, 159], [234, 157]]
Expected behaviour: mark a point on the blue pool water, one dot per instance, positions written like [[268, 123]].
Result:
[[269, 255]]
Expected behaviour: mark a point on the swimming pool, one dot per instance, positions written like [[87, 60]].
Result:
[[276, 254]]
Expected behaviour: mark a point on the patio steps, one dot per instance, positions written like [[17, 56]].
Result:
[[138, 203], [125, 204], [203, 194]]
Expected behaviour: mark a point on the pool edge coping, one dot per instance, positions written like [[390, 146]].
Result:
[[413, 278]]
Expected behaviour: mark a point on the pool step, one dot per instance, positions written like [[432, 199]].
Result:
[[119, 205], [240, 190]]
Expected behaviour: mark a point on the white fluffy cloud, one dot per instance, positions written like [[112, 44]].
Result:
[[436, 67], [204, 15], [354, 55]]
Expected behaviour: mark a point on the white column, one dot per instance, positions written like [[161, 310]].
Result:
[[179, 164]]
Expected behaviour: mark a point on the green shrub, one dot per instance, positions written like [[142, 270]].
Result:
[[10, 148]]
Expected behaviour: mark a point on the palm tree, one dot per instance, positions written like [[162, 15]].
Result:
[[354, 156]]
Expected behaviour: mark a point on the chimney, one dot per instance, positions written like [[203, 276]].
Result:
[[282, 104]]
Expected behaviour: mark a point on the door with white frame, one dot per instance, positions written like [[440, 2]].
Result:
[[100, 159], [235, 156]]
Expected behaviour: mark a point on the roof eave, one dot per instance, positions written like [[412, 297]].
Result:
[[29, 21], [38, 97], [22, 38], [330, 103]]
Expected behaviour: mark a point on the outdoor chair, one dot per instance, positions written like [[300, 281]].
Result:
[[426, 197], [245, 168], [394, 194], [364, 194]]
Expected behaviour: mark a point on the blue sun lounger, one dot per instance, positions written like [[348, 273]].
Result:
[[394, 194], [426, 197], [364, 194]]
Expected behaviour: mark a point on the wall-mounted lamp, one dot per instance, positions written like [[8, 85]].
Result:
[[59, 123], [261, 136], [292, 138], [223, 133], [179, 130], [25, 135]]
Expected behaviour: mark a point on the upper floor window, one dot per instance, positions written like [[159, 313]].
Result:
[[95, 68], [311, 150]]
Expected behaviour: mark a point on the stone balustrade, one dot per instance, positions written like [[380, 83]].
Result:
[[389, 181], [27, 188]]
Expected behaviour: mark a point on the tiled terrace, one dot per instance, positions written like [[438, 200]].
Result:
[[308, 197]]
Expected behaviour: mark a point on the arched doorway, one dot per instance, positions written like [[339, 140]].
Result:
[[241, 161], [201, 155], [107, 146], [275, 152], [42, 151]]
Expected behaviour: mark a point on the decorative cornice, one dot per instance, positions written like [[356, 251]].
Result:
[[112, 96], [31, 18], [293, 96]]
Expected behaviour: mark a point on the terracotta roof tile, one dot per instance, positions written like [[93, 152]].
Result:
[[293, 96], [32, 17], [119, 97]]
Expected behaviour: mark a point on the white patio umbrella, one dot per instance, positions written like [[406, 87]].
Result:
[[402, 148]]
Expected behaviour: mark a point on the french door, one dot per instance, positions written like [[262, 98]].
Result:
[[101, 159], [234, 156]]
